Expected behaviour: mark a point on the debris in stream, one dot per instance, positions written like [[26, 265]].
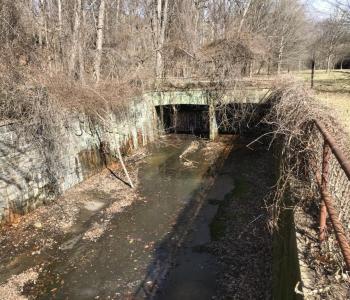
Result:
[[42, 231], [210, 150], [121, 160], [193, 147], [241, 240], [13, 288], [115, 195], [98, 228]]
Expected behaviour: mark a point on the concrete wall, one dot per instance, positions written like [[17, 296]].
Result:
[[22, 172], [200, 97], [32, 173]]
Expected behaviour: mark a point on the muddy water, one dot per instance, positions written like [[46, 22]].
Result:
[[155, 245]]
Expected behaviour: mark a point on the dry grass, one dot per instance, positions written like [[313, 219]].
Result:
[[293, 109], [335, 81], [340, 103], [333, 90]]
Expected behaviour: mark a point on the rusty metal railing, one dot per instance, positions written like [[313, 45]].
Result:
[[327, 207]]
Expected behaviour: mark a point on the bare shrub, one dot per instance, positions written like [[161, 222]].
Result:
[[290, 119]]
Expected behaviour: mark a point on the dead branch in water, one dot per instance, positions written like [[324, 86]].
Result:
[[124, 168], [190, 149]]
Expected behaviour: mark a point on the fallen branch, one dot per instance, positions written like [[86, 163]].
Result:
[[311, 293], [191, 148], [124, 168]]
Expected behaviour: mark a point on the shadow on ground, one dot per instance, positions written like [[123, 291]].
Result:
[[219, 246]]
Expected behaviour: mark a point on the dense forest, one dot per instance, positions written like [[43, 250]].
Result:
[[134, 41], [94, 55]]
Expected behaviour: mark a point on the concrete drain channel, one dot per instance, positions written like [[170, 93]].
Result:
[[196, 230]]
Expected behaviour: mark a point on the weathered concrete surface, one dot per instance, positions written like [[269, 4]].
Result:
[[30, 174], [201, 97], [22, 169]]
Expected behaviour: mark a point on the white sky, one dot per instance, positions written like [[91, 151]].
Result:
[[319, 8]]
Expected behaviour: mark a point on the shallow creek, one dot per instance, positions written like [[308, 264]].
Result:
[[153, 248]]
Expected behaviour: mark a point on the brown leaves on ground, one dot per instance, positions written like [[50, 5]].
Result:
[[13, 288]]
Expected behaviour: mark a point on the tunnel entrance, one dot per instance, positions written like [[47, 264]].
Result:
[[184, 118], [201, 121]]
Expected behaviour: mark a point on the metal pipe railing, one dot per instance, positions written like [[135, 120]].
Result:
[[327, 205], [339, 154]]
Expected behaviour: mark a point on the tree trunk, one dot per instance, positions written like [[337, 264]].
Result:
[[244, 16], [99, 42], [41, 22], [251, 68], [81, 46], [75, 39], [161, 23], [280, 56], [81, 64], [60, 33], [117, 14], [261, 65], [329, 60], [312, 72]]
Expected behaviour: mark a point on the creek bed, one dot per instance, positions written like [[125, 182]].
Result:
[[133, 257], [174, 242]]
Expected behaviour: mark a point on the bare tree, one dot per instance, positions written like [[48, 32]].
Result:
[[159, 21], [99, 42]]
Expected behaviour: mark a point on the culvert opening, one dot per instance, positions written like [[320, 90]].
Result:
[[184, 119], [232, 118]]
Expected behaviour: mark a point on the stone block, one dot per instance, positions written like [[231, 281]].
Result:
[[25, 163]]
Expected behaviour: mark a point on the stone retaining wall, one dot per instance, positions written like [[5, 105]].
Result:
[[30, 174]]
